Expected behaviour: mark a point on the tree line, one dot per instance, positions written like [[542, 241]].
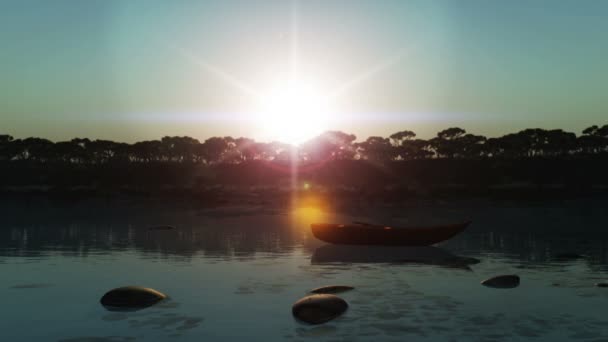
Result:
[[451, 143]]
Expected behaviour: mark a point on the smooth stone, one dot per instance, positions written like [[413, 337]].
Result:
[[332, 289], [601, 284], [131, 297], [318, 308], [161, 228], [502, 281]]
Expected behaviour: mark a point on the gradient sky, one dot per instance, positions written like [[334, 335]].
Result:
[[133, 70]]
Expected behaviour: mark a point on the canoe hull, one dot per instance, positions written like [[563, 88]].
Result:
[[385, 236]]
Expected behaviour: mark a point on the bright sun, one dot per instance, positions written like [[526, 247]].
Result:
[[293, 112]]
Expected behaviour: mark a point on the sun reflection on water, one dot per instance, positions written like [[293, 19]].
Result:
[[307, 210]]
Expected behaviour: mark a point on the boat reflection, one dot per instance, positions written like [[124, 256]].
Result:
[[39, 230], [427, 255]]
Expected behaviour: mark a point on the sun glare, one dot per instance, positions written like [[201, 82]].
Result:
[[293, 112]]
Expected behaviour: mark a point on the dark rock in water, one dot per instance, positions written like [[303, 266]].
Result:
[[502, 281], [604, 284], [131, 297], [318, 308], [161, 228], [332, 289]]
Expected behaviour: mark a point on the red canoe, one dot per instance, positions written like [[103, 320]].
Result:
[[367, 234]]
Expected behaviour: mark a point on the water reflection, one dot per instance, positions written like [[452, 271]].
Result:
[[276, 235], [396, 255], [244, 233], [212, 239], [538, 248], [246, 266]]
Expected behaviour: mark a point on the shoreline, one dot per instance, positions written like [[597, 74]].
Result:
[[320, 197]]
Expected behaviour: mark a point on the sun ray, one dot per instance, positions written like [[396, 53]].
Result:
[[294, 42], [293, 109], [294, 71], [220, 73], [367, 74]]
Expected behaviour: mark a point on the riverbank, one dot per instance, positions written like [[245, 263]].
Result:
[[214, 196]]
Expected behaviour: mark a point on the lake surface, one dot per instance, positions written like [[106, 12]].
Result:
[[232, 274]]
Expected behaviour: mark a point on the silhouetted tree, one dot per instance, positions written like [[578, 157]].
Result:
[[559, 143], [594, 140], [376, 149], [472, 145], [331, 145], [456, 143], [406, 147], [398, 138], [5, 147], [178, 149], [452, 143], [5, 138], [37, 149], [212, 150], [146, 151], [246, 149], [104, 151]]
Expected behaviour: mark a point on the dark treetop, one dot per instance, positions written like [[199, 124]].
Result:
[[533, 156]]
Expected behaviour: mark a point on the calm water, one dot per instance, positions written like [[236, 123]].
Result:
[[233, 273]]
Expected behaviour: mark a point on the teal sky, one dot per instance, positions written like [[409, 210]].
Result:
[[132, 70]]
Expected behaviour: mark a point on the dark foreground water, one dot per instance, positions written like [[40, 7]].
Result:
[[233, 273]]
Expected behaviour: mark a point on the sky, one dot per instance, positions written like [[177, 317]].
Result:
[[136, 70]]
